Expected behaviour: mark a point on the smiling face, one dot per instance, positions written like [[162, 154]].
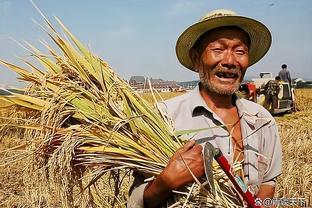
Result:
[[221, 58]]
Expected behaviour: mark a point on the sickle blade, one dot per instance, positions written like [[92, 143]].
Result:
[[209, 152]]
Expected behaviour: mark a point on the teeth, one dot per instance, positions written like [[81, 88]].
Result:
[[225, 75], [229, 75]]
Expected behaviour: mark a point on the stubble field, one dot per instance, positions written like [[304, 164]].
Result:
[[295, 181]]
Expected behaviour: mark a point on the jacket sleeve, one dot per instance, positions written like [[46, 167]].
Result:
[[273, 151]]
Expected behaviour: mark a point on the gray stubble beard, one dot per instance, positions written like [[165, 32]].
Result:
[[205, 83]]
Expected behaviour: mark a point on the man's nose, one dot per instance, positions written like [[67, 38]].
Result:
[[228, 60]]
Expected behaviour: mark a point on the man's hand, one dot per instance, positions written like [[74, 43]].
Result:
[[176, 174], [266, 191]]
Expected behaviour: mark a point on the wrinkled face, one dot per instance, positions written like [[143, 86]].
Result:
[[221, 58]]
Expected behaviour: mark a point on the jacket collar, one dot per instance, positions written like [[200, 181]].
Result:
[[249, 113]]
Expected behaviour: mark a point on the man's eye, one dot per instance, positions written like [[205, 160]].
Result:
[[241, 52], [217, 50]]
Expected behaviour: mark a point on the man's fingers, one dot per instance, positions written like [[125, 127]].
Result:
[[187, 146], [197, 148]]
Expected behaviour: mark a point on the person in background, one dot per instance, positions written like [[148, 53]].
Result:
[[285, 75], [271, 91]]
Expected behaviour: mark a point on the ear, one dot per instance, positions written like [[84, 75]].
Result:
[[195, 58]]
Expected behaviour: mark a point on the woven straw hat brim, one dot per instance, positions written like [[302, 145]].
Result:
[[260, 37]]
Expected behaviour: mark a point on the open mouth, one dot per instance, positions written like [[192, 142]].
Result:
[[227, 75]]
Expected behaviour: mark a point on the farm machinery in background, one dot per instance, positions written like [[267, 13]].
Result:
[[258, 91]]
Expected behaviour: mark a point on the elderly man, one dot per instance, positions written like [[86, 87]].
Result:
[[220, 47]]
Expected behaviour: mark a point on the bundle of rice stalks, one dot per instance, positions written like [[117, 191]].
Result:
[[83, 121]]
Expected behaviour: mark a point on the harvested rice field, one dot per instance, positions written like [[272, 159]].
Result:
[[17, 189]]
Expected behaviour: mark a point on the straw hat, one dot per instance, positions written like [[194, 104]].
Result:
[[260, 36]]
